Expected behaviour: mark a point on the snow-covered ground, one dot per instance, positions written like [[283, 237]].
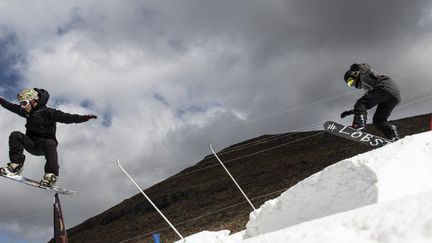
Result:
[[384, 195]]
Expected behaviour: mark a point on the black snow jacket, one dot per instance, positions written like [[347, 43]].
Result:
[[369, 80], [41, 121]]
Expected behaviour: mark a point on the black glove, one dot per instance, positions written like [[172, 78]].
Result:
[[89, 117], [347, 113]]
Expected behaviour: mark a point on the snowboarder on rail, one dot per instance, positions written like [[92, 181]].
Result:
[[40, 138], [379, 90]]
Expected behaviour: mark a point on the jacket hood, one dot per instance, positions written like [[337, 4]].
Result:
[[43, 97]]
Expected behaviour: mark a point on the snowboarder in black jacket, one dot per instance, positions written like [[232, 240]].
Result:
[[380, 91], [40, 138]]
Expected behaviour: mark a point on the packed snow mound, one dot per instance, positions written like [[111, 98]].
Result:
[[393, 171], [407, 219], [208, 236], [213, 237]]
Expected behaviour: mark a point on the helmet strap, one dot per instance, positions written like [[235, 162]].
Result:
[[357, 83], [32, 102]]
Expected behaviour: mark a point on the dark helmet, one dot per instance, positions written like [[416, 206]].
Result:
[[362, 67], [351, 74]]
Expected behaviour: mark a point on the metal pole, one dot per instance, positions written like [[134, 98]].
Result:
[[232, 177], [139, 188]]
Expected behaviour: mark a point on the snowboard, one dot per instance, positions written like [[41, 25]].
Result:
[[34, 183], [350, 133]]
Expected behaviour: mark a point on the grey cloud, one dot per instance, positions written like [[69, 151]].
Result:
[[75, 22], [173, 76]]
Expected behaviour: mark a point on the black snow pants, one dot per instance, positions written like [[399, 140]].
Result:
[[386, 104], [37, 146]]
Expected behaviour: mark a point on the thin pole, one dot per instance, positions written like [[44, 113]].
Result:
[[232, 177], [139, 188], [430, 122]]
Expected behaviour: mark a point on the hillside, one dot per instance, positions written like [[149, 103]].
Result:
[[265, 168]]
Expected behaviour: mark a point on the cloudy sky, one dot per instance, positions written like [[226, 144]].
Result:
[[166, 78]]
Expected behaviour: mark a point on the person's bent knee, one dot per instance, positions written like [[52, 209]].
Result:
[[16, 135], [49, 143]]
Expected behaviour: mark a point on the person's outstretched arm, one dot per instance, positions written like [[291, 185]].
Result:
[[63, 117], [12, 107]]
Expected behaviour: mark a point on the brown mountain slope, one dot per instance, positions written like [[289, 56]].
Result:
[[203, 197]]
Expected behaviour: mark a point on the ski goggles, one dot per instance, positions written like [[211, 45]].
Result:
[[24, 103], [350, 82]]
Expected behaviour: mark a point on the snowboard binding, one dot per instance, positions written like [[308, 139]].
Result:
[[12, 169], [49, 180]]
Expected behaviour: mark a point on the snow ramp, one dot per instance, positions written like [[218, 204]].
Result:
[[396, 170]]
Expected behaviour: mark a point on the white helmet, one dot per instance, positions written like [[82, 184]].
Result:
[[27, 95]]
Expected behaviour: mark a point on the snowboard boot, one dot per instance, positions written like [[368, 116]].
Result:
[[13, 169], [49, 180], [359, 121], [390, 131]]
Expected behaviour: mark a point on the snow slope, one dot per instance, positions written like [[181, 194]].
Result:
[[404, 220], [395, 181]]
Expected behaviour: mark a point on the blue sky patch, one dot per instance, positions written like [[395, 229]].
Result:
[[191, 109], [86, 104], [74, 22], [106, 119], [12, 55], [5, 237], [160, 98]]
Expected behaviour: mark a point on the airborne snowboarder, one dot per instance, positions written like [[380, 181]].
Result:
[[40, 137], [380, 91]]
